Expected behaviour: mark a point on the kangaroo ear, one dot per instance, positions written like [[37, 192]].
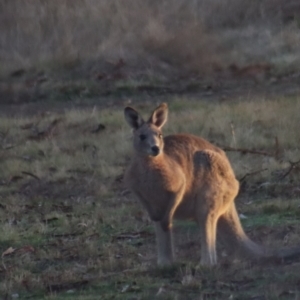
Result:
[[159, 116], [133, 118]]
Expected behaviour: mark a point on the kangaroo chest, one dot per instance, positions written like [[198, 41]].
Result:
[[154, 185], [155, 188], [157, 178]]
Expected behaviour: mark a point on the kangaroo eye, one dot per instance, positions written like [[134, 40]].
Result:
[[142, 137], [160, 136]]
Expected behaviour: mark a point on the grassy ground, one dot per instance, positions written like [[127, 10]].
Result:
[[229, 70], [69, 229]]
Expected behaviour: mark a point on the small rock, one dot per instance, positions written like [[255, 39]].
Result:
[[243, 216]]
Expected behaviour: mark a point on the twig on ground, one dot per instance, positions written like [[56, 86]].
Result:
[[30, 174], [292, 167], [233, 133], [278, 150], [244, 151], [133, 235], [48, 132], [7, 147], [126, 271], [252, 173]]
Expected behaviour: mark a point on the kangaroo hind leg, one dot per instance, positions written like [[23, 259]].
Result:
[[208, 228]]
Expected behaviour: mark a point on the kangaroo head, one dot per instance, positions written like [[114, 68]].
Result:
[[147, 136]]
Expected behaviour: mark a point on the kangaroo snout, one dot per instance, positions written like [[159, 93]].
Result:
[[155, 150]]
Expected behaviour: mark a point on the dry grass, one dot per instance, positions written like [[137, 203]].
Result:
[[62, 50], [68, 34], [75, 230], [148, 35]]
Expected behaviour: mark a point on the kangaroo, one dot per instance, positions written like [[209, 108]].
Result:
[[183, 176]]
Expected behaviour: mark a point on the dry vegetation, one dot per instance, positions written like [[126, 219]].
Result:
[[147, 32], [83, 48], [69, 228]]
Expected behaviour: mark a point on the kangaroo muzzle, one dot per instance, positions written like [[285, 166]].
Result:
[[155, 150]]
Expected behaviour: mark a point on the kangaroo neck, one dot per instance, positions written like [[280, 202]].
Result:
[[153, 161]]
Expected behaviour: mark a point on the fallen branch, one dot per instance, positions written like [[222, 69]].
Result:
[[30, 174], [99, 128], [292, 167], [252, 173], [112, 274], [244, 151], [133, 235], [58, 287], [7, 147], [48, 132]]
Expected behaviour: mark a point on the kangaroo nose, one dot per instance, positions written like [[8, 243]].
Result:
[[155, 150]]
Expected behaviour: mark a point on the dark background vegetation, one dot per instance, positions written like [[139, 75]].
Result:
[[66, 49]]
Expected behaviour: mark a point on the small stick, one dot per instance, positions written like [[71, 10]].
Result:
[[293, 165], [30, 174], [277, 148], [243, 150], [252, 173], [233, 134]]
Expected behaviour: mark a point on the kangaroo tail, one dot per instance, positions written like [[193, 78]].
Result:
[[287, 253], [235, 239]]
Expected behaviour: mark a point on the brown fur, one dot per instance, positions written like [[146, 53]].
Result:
[[186, 177]]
